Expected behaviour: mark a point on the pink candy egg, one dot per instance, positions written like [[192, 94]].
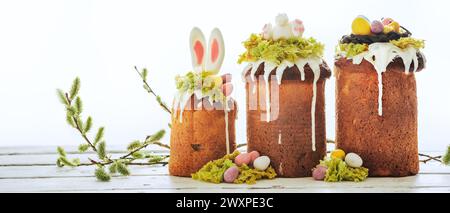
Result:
[[231, 174], [253, 155], [376, 27], [319, 172], [243, 158], [387, 21]]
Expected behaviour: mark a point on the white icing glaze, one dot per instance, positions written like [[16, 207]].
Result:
[[313, 62], [380, 55], [227, 136], [279, 136]]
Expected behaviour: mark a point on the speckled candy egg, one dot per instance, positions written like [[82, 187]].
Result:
[[319, 172], [387, 21], [231, 174], [261, 163], [253, 155], [353, 160], [361, 26], [243, 158], [376, 27]]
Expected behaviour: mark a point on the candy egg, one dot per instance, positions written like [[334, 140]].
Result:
[[387, 29], [243, 158], [353, 160], [261, 163], [387, 21], [231, 174], [361, 26], [253, 155], [376, 27], [319, 172], [338, 153], [395, 26]]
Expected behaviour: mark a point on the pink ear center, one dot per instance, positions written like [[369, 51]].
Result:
[[214, 50], [199, 51]]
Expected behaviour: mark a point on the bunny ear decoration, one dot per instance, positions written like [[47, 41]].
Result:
[[198, 49], [216, 51]]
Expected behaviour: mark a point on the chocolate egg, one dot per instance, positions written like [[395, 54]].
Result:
[[353, 160], [261, 163], [361, 26], [376, 27]]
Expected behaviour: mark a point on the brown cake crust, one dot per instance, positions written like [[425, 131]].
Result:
[[388, 144], [199, 138], [294, 156]]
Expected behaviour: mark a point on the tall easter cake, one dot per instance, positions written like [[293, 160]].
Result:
[[285, 81], [203, 115], [376, 101]]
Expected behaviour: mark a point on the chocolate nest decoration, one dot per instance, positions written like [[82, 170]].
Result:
[[370, 39]]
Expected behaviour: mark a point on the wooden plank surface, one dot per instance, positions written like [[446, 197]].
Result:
[[32, 169]]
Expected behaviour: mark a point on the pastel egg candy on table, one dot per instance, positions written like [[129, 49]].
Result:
[[319, 172], [253, 156], [361, 26], [243, 158], [231, 174], [261, 163], [353, 160]]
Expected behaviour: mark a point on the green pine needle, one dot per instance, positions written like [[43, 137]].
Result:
[[61, 151], [446, 158], [62, 97], [75, 88], [101, 174], [122, 169], [88, 125], [99, 135], [101, 150]]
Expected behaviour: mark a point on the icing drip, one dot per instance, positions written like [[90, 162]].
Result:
[[313, 62], [227, 136], [380, 55], [279, 137]]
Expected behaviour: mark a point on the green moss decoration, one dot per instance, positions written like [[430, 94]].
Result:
[[351, 49], [406, 42], [258, 48], [339, 171], [250, 176], [209, 83], [213, 171]]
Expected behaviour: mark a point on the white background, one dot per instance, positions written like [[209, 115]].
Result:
[[45, 44]]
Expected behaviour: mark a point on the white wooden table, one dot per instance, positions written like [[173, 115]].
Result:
[[33, 169]]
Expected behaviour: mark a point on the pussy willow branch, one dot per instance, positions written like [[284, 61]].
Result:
[[150, 90], [143, 147], [94, 162]]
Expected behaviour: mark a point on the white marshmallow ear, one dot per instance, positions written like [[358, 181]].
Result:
[[216, 51], [198, 49]]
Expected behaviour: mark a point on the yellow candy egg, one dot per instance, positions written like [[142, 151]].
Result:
[[361, 26], [395, 26], [387, 29], [338, 153]]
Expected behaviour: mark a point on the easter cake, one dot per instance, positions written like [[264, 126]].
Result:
[[203, 114], [376, 101], [285, 81]]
